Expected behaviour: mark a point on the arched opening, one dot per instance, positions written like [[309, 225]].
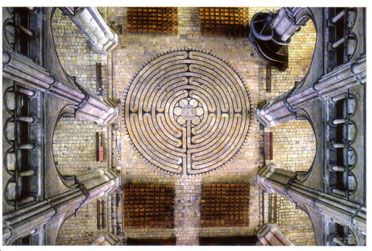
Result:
[[75, 152], [300, 55], [75, 146], [293, 145], [71, 45], [295, 223], [80, 146], [293, 149], [79, 229], [75, 55]]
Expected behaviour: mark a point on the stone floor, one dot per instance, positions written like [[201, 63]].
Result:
[[199, 128]]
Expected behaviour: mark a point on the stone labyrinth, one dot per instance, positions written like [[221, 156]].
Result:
[[187, 112]]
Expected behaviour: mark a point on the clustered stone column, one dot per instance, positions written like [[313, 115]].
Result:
[[283, 108], [187, 210], [271, 32], [286, 183], [41, 218], [88, 106], [100, 37], [88, 187]]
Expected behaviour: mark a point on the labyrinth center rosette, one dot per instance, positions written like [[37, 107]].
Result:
[[187, 112]]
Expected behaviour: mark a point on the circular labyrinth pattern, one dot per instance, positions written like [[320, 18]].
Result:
[[187, 112]]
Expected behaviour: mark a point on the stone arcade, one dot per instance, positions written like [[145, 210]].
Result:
[[180, 126]]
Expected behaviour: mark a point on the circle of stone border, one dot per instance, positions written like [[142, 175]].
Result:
[[127, 113]]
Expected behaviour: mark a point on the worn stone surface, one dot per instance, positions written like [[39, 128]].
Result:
[[187, 211], [187, 112], [137, 49], [74, 144]]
